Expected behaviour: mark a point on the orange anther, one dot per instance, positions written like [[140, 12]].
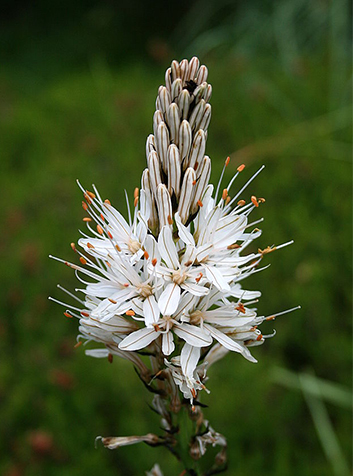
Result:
[[102, 217], [224, 194], [130, 312], [126, 285], [117, 247], [241, 168], [84, 314], [170, 220], [90, 194], [78, 344], [136, 200], [261, 200], [110, 358], [200, 204], [100, 230], [226, 163], [194, 182], [227, 200], [234, 246], [87, 219], [196, 165], [199, 277], [154, 261], [73, 246], [84, 206], [110, 235], [193, 391], [107, 201], [108, 264], [146, 255], [136, 192], [90, 246], [270, 318], [241, 203], [83, 260], [112, 301], [67, 314], [241, 308], [87, 198], [254, 201], [259, 337]]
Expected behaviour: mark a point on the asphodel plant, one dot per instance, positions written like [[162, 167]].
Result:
[[161, 288]]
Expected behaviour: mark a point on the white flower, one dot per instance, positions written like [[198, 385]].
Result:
[[166, 280]]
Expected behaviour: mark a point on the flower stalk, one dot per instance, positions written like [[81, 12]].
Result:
[[162, 288]]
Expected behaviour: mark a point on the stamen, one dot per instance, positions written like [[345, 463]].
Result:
[[200, 204], [112, 301], [91, 194], [107, 201], [146, 255], [78, 344], [246, 185], [84, 206], [100, 230], [241, 168], [110, 358], [154, 261], [73, 246], [90, 246], [241, 203], [136, 192], [87, 219], [224, 194], [254, 201], [226, 163], [83, 260], [67, 314], [270, 318]]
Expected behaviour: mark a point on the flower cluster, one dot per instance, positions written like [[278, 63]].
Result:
[[166, 281]]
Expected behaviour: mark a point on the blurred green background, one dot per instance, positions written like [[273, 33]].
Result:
[[78, 81]]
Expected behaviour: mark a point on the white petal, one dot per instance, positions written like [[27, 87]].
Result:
[[215, 276], [192, 335], [169, 300], [167, 248], [189, 358], [150, 311], [194, 288], [139, 339], [97, 353], [229, 343], [184, 233], [167, 343]]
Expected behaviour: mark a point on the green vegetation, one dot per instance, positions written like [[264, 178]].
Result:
[[91, 123]]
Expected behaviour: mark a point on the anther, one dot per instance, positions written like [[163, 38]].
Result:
[[227, 200], [199, 277], [194, 182], [188, 263], [84, 206], [254, 201], [107, 201], [87, 219], [117, 247], [110, 358], [259, 337], [226, 163], [261, 200], [154, 261], [136, 192], [84, 314], [78, 344], [241, 168], [112, 301], [91, 194], [241, 203], [136, 200], [73, 246], [200, 204], [170, 220], [102, 217], [126, 285], [130, 312], [89, 245], [241, 308], [87, 198], [146, 255], [67, 314], [224, 194], [100, 230], [234, 246], [83, 260], [269, 249], [110, 235]]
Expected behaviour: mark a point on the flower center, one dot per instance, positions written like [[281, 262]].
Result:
[[133, 246], [195, 318], [179, 277], [145, 290]]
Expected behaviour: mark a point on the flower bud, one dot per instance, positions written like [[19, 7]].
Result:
[[162, 143], [185, 138], [174, 170], [186, 194], [198, 149], [173, 120], [164, 205]]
